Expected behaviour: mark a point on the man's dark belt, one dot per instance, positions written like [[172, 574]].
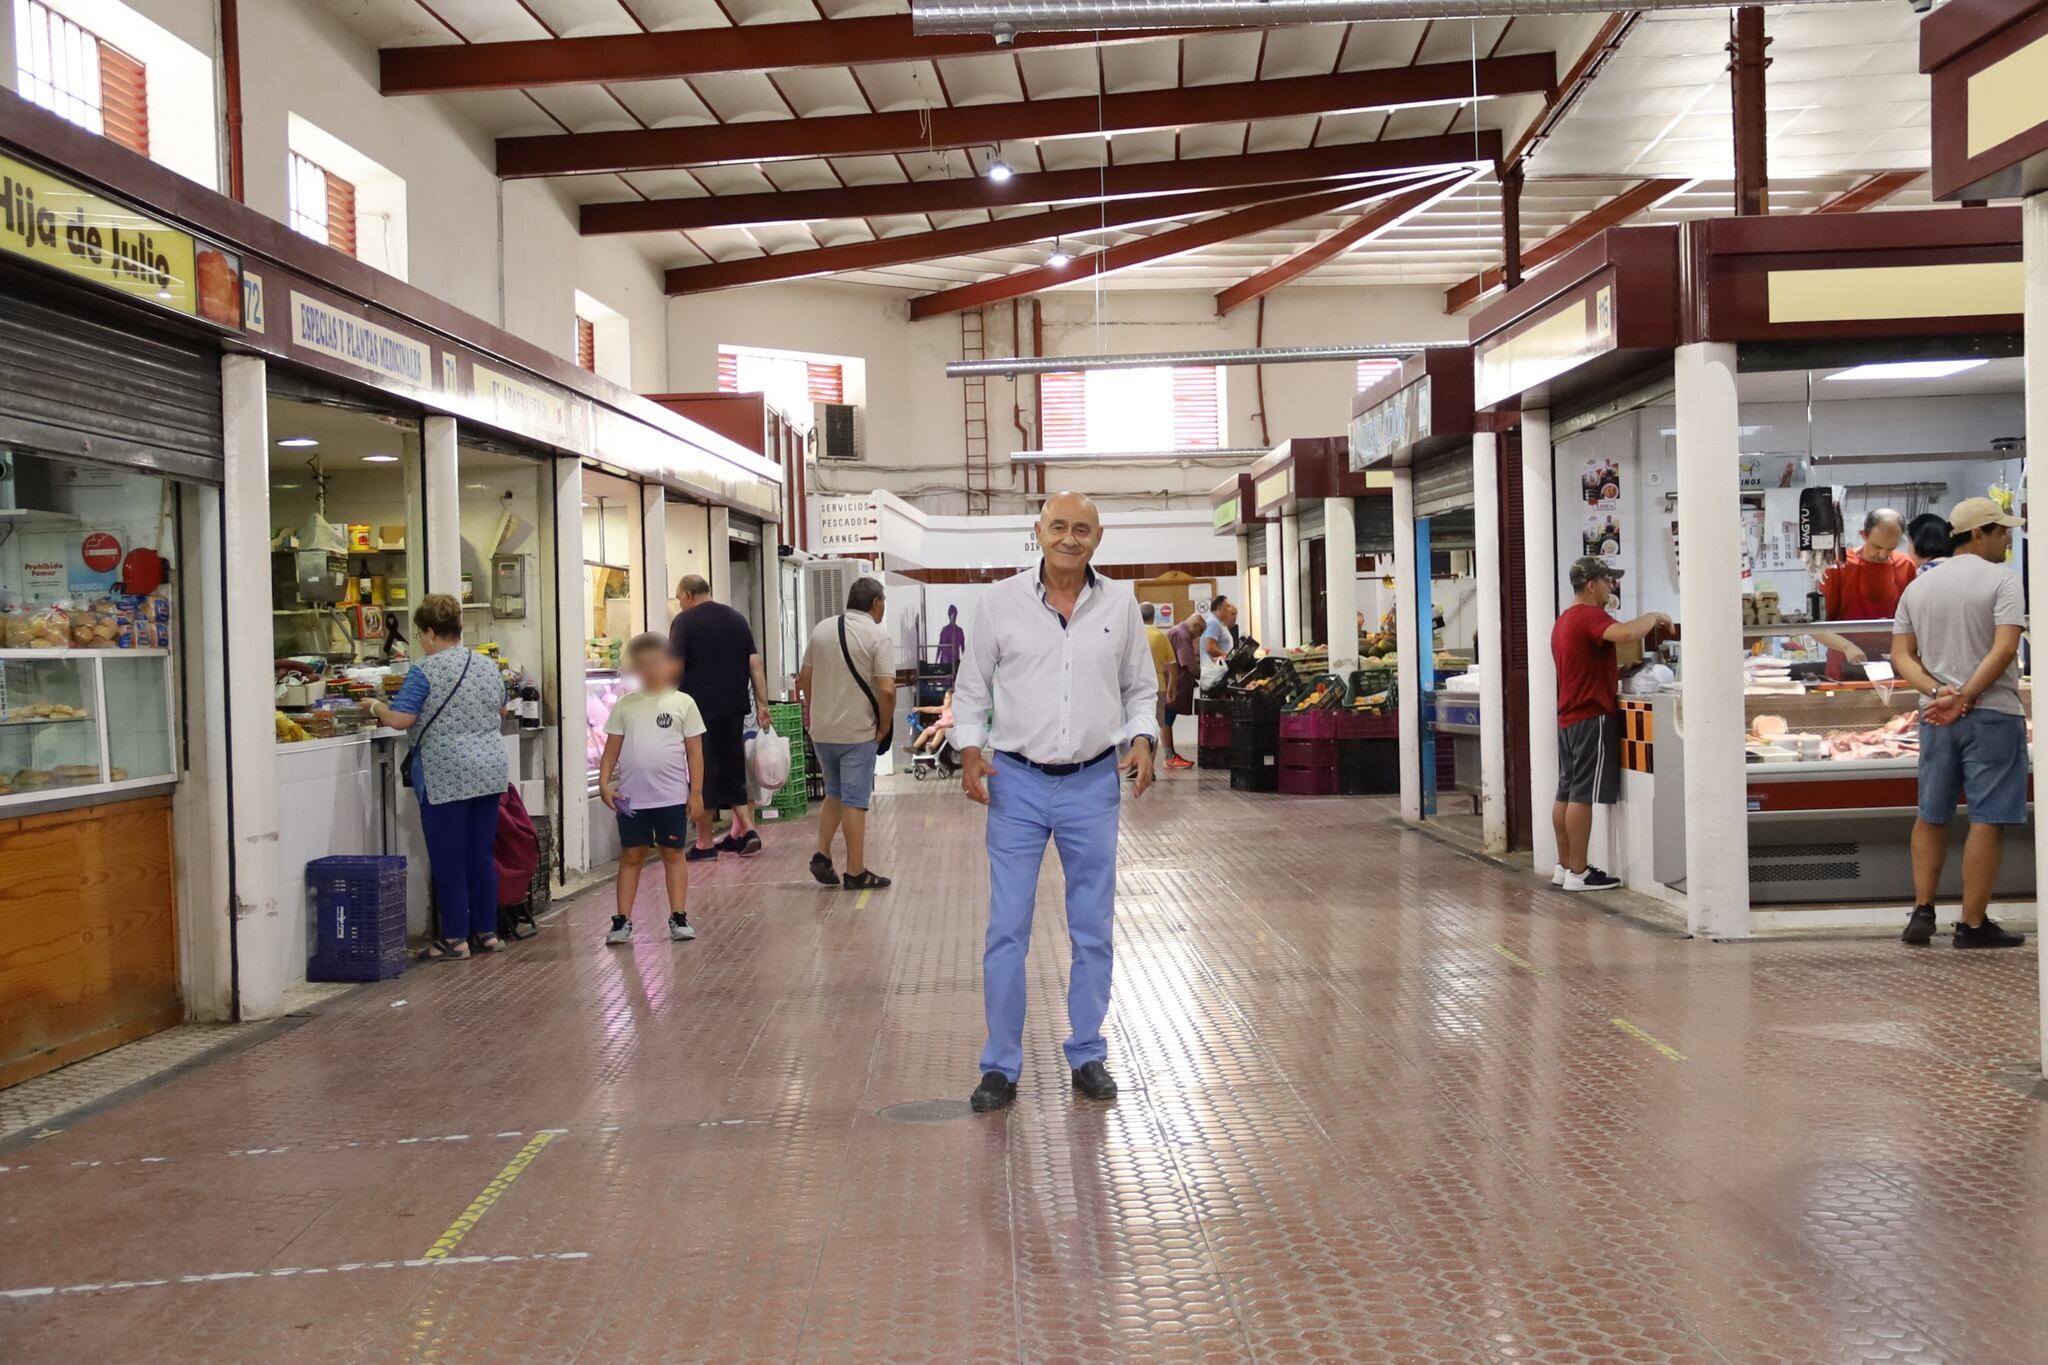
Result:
[[1060, 769]]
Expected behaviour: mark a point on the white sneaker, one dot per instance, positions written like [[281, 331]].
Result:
[[1592, 879], [679, 930], [621, 931], [1558, 874]]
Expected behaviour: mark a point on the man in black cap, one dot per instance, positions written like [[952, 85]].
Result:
[[1589, 717]]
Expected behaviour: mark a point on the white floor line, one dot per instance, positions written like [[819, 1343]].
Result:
[[222, 1276], [48, 1166]]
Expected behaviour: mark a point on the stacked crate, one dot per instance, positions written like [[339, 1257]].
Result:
[[1212, 719], [1308, 753], [1254, 743], [1368, 753], [793, 799]]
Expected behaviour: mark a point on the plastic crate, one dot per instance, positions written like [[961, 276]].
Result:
[[787, 718], [358, 918], [1308, 782], [1308, 753], [1254, 779], [1368, 767], [1308, 725], [1367, 725], [1213, 729], [791, 801], [1212, 756]]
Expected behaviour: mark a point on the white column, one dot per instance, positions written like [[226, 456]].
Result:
[[1493, 670], [771, 617], [1710, 610], [1539, 548], [260, 936], [719, 552], [1340, 564], [1243, 541], [1408, 673], [1290, 603], [206, 929], [572, 610], [655, 584], [2034, 246], [444, 510], [1272, 619]]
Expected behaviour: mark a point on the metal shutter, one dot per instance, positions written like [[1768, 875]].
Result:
[[1443, 484], [1374, 518], [77, 385], [1308, 518], [1514, 645]]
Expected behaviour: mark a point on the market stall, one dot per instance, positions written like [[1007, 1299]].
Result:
[[1831, 372]]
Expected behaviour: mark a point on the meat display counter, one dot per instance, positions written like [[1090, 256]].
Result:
[[1832, 782]]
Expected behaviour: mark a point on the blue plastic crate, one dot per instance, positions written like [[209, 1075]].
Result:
[[359, 918]]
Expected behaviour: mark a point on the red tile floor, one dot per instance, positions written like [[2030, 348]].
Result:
[[1381, 1102]]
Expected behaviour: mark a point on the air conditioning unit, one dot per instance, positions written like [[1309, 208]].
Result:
[[836, 427], [826, 583]]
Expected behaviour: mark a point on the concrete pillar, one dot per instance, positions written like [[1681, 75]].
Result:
[[1243, 543], [1709, 491], [1493, 666], [1539, 545], [572, 609], [772, 661], [2034, 239], [655, 582], [205, 861], [444, 509], [260, 935], [1290, 601], [1408, 674], [1273, 616], [1340, 562], [719, 551]]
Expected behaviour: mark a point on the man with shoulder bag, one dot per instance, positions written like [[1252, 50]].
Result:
[[848, 688]]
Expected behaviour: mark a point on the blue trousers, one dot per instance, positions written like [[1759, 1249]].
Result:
[[1078, 813], [459, 839]]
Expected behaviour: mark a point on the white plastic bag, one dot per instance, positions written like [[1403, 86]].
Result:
[[768, 761]]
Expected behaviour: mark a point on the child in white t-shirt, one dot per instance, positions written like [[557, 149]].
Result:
[[651, 755]]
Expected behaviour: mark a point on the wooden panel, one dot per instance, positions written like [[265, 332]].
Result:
[[88, 933]]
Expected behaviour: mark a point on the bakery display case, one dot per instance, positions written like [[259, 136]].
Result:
[[83, 722]]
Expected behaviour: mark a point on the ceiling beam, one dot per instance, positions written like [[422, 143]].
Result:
[[1039, 187], [1871, 192], [1560, 99], [449, 68], [974, 238], [1386, 214], [1159, 246], [1617, 210], [643, 149]]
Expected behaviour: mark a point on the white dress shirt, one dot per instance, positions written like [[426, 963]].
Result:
[[1063, 691]]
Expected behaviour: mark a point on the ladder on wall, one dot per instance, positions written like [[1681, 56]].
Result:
[[975, 395]]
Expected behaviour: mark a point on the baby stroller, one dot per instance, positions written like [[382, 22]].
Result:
[[924, 762]]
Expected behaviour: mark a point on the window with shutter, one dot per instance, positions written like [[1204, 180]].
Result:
[[124, 99], [586, 344], [827, 383], [320, 204], [728, 372], [67, 70], [341, 214], [1373, 369], [1196, 424], [1063, 402]]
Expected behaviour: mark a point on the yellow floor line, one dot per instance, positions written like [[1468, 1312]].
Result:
[[481, 1205], [861, 902], [1518, 960], [1632, 1031]]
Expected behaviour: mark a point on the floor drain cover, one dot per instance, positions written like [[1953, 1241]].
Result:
[[926, 1111]]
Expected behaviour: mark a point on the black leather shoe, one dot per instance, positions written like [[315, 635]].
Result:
[[1094, 1082], [996, 1091]]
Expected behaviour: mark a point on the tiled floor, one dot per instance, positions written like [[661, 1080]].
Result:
[[1381, 1102]]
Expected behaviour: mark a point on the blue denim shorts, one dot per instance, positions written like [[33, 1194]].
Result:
[[849, 772], [1981, 758]]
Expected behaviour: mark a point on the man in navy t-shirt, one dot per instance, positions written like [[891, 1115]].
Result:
[[715, 646], [1588, 717]]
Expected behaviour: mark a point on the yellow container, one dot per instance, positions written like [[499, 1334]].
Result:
[[359, 536]]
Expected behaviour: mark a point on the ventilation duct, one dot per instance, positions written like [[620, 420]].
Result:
[[1007, 18], [1003, 366]]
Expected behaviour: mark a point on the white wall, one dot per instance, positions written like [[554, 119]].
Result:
[[914, 417]]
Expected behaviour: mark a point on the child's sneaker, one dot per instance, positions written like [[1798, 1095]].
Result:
[[679, 930], [621, 931]]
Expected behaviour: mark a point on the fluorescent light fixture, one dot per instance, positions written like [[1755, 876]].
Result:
[[999, 170], [284, 485], [1152, 456], [1909, 369], [298, 443], [380, 459]]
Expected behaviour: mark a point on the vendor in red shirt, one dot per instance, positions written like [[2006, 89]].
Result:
[[1589, 717], [1866, 587]]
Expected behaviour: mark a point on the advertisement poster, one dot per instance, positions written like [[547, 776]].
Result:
[[1602, 535], [1600, 483]]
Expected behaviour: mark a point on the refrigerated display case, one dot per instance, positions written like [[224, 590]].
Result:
[[84, 722]]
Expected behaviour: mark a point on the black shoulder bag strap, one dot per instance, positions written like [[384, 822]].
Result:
[[861, 680], [405, 769]]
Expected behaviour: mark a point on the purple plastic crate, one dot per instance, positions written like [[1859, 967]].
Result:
[[359, 918], [1308, 725]]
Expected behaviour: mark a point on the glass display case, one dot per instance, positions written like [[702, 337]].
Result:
[[600, 690], [77, 721]]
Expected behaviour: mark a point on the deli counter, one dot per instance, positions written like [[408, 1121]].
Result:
[[1832, 785]]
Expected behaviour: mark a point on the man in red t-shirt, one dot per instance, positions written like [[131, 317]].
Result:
[[1588, 717]]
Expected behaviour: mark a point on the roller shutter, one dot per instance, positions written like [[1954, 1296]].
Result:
[[80, 386], [1443, 483]]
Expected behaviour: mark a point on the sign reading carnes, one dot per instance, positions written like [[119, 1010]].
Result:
[[343, 336], [848, 522], [54, 223]]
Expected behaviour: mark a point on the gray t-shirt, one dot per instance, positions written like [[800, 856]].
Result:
[[1953, 613], [840, 713]]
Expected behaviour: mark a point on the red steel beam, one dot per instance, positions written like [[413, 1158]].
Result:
[[1172, 242], [1746, 63], [1566, 93], [1377, 219], [1871, 192], [1617, 210], [1039, 187], [974, 237], [615, 58], [642, 149]]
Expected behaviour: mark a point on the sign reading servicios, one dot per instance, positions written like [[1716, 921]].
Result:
[[57, 224]]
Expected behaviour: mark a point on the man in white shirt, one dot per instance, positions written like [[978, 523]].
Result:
[[1058, 672]]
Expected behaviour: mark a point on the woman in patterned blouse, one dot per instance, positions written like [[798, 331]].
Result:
[[454, 697]]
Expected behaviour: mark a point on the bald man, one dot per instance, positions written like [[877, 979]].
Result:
[[1057, 675]]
